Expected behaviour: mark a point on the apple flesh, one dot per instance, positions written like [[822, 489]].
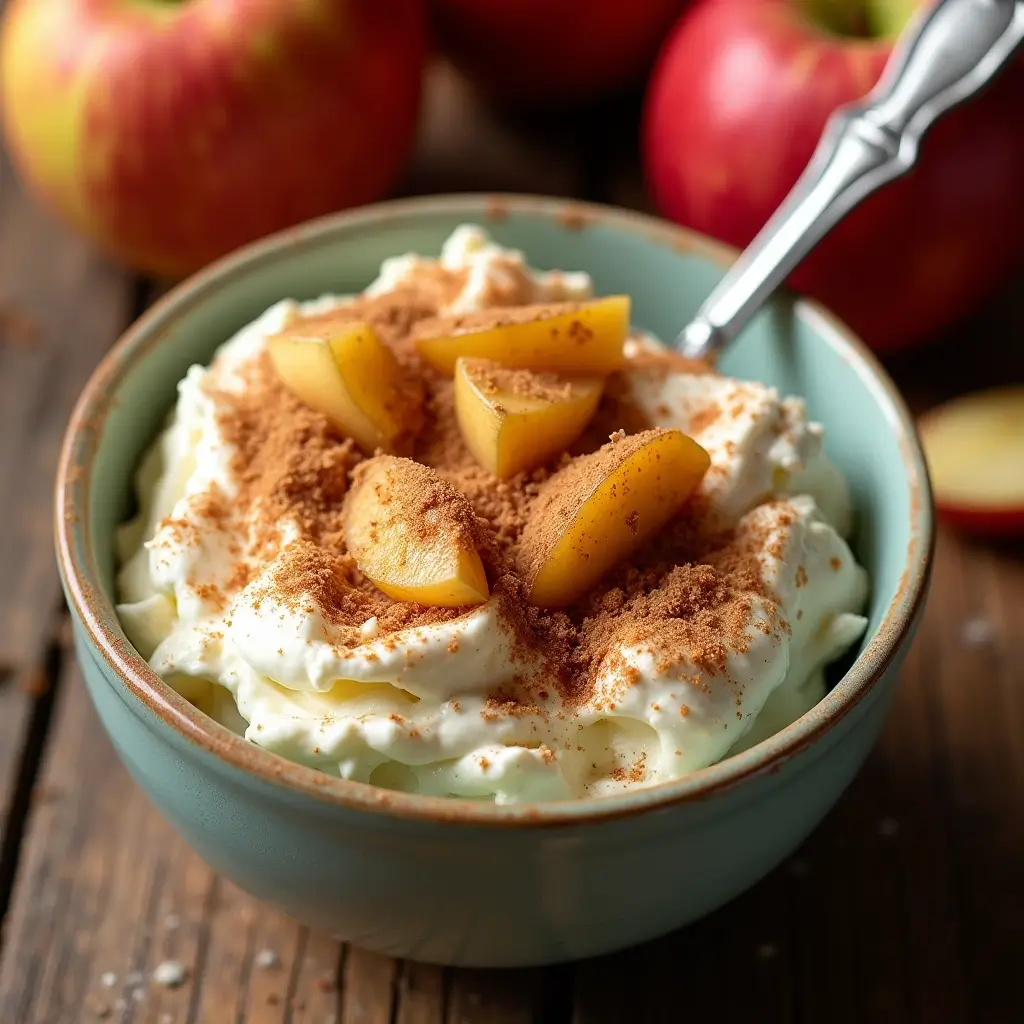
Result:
[[412, 534], [552, 51], [975, 451], [172, 132], [349, 375], [734, 110], [508, 430], [602, 507], [582, 338]]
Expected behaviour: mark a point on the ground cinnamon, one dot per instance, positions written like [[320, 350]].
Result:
[[684, 593]]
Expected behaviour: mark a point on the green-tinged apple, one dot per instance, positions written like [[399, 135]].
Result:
[[552, 51], [735, 108], [975, 451], [171, 131]]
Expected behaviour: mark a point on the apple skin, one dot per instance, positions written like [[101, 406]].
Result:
[[171, 133], [734, 110], [1001, 524], [551, 52]]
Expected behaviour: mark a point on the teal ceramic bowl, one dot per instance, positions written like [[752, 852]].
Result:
[[454, 881]]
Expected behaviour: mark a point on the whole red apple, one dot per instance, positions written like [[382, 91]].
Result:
[[735, 107], [171, 132], [552, 51]]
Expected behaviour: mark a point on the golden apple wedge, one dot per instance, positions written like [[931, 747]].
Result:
[[413, 534], [602, 507], [349, 375], [975, 451], [575, 338], [512, 420]]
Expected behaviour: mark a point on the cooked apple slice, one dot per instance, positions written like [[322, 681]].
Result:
[[515, 419], [975, 451], [413, 534], [345, 372], [601, 507], [578, 338]]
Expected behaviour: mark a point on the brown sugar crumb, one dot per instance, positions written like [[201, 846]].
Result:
[[560, 498], [636, 772], [503, 705], [288, 459], [836, 564], [801, 576], [493, 379], [416, 501], [504, 315], [503, 505], [704, 418], [484, 764], [211, 593], [395, 314], [684, 595]]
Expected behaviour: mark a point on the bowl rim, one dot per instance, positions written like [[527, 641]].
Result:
[[98, 617]]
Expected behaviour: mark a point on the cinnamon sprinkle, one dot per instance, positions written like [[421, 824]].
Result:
[[502, 316], [688, 596], [493, 379]]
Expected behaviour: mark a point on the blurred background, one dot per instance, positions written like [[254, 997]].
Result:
[[144, 138]]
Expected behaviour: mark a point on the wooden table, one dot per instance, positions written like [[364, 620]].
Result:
[[906, 905]]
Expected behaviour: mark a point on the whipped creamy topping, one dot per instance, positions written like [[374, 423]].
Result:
[[415, 708]]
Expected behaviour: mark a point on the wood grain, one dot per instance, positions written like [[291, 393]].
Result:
[[61, 305], [106, 892], [902, 907], [75, 303]]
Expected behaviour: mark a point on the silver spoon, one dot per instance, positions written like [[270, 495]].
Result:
[[945, 55]]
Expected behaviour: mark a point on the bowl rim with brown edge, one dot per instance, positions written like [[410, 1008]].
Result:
[[97, 615]]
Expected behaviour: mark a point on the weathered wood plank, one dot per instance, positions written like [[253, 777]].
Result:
[[106, 893], [498, 997], [369, 988], [47, 349], [71, 303], [421, 994], [899, 907], [702, 966]]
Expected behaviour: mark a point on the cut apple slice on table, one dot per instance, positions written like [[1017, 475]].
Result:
[[512, 420], [347, 373], [602, 507], [413, 534], [573, 338], [975, 451]]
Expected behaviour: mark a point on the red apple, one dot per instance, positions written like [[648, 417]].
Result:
[[552, 51], [975, 451], [171, 132], [734, 110]]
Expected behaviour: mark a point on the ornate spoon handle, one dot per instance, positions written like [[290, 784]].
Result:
[[944, 56]]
